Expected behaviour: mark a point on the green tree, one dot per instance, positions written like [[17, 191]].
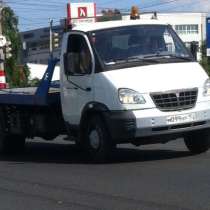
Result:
[[16, 74], [108, 15]]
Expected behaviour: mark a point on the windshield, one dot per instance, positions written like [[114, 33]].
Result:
[[144, 44]]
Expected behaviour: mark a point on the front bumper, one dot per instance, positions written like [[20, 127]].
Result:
[[129, 126]]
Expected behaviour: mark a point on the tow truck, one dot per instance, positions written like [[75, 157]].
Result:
[[120, 82]]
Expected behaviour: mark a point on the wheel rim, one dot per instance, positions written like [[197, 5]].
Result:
[[94, 139]]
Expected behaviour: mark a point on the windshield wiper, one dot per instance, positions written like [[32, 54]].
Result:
[[181, 57], [132, 59], [141, 58], [159, 55], [117, 61]]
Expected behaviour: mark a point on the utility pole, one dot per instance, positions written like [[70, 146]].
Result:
[[51, 39]]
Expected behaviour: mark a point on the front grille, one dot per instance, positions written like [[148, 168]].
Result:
[[175, 100]]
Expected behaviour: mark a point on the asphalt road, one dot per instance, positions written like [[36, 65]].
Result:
[[54, 176]]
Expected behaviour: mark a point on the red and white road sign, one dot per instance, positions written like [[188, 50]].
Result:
[[2, 79], [81, 12]]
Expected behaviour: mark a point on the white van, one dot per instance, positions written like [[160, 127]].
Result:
[[132, 82]]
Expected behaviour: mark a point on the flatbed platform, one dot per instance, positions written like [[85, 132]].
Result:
[[45, 94], [33, 111], [28, 96]]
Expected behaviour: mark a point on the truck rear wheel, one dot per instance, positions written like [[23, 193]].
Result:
[[97, 139], [11, 143], [198, 142]]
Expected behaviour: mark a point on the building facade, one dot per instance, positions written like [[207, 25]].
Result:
[[36, 45]]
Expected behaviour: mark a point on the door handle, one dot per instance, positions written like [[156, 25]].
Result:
[[71, 88], [88, 89]]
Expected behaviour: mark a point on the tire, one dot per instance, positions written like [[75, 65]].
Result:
[[198, 142], [97, 140], [79, 145], [11, 143]]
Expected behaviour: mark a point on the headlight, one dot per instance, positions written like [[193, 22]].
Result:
[[206, 91], [128, 96]]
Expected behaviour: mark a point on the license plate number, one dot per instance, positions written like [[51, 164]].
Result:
[[184, 118]]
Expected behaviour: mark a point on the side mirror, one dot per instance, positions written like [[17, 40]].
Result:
[[194, 49], [71, 63]]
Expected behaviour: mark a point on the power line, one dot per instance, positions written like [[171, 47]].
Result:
[[33, 4], [160, 4]]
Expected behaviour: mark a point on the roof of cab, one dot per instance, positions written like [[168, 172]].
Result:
[[86, 27]]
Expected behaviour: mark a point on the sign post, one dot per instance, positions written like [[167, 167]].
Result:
[[208, 36], [81, 13]]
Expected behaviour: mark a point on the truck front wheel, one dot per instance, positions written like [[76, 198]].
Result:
[[97, 139], [198, 142]]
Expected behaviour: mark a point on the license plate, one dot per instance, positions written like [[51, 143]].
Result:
[[184, 118]]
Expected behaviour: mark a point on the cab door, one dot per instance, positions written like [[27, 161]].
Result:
[[78, 77]]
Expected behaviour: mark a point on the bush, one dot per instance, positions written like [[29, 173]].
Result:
[[205, 61], [34, 82], [206, 64]]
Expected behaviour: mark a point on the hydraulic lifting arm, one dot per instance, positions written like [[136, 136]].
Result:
[[42, 91]]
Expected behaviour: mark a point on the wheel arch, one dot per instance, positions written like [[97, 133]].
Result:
[[90, 109]]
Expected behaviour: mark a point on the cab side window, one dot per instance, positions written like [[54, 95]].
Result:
[[79, 54]]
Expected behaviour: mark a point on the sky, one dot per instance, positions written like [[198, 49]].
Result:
[[34, 14]]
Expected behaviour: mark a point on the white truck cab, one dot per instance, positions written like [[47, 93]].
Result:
[[132, 82]]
